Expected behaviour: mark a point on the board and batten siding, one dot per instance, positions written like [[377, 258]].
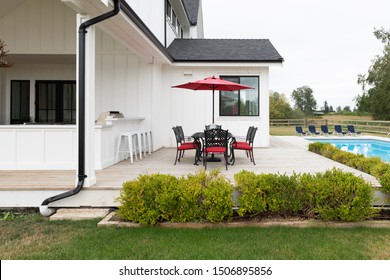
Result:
[[40, 27], [193, 109]]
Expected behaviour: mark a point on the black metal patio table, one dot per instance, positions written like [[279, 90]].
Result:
[[199, 137]]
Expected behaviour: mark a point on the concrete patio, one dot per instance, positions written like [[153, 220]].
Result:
[[286, 155]]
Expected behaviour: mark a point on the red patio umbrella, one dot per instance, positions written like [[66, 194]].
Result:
[[213, 83]]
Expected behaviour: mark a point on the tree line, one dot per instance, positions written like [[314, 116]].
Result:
[[374, 99], [375, 96], [305, 105]]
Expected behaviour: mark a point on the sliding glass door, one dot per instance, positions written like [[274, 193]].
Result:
[[55, 102]]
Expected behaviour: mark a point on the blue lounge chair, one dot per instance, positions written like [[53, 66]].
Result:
[[312, 130], [325, 131], [351, 130], [339, 130], [299, 131]]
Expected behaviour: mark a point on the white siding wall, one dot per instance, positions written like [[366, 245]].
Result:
[[123, 80], [152, 14], [193, 109], [40, 27]]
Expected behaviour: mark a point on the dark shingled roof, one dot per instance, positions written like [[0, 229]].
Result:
[[191, 7], [223, 50]]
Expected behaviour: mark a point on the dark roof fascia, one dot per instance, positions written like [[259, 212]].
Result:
[[141, 25], [230, 61]]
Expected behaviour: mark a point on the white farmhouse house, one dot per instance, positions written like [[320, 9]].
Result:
[[123, 56]]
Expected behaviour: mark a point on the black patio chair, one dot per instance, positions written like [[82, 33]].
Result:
[[247, 146], [339, 130], [212, 126], [312, 130], [325, 130], [181, 131], [352, 131], [215, 142], [299, 130], [183, 146]]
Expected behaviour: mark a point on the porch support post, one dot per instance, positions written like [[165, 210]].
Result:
[[89, 120]]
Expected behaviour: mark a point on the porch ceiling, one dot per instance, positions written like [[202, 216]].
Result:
[[121, 28]]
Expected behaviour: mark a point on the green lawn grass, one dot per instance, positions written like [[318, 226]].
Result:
[[34, 237]]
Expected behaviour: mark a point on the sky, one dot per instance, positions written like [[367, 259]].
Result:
[[325, 44]]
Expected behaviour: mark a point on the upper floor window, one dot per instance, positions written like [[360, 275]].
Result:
[[173, 21], [242, 102], [169, 10]]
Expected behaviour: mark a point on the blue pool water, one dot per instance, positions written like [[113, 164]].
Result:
[[367, 147]]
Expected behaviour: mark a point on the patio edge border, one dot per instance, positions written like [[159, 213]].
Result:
[[297, 224]]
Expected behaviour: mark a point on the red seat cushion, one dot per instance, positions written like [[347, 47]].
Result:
[[188, 146], [215, 150], [242, 146]]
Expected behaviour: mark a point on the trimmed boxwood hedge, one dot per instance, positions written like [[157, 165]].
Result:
[[374, 166], [333, 195]]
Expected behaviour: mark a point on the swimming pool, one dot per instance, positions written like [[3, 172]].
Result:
[[367, 147]]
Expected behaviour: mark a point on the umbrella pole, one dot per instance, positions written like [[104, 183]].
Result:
[[213, 105], [213, 158]]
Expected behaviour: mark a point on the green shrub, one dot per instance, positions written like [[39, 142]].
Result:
[[139, 198], [285, 194], [217, 197], [159, 197], [343, 196], [373, 166], [329, 150], [180, 202], [380, 169], [333, 195], [346, 158], [316, 147], [252, 189], [366, 165], [385, 181]]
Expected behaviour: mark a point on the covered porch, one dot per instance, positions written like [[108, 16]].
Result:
[[286, 155]]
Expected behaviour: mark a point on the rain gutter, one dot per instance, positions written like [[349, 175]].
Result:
[[44, 209]]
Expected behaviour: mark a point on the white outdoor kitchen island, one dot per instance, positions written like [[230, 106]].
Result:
[[54, 147]]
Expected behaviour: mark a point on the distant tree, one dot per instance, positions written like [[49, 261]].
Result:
[[304, 100], [338, 109], [279, 107], [331, 109], [376, 100], [347, 109], [326, 108], [362, 101]]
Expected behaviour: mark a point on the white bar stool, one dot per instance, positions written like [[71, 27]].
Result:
[[147, 141], [130, 144]]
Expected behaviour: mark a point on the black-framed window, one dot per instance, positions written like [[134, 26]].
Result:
[[55, 102], [242, 102], [172, 20], [168, 12], [20, 101]]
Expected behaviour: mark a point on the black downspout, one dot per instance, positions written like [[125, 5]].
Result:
[[81, 129]]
